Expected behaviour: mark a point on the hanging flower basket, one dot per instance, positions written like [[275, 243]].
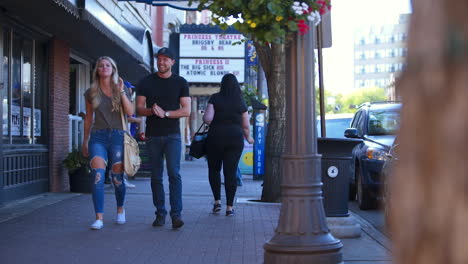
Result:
[[267, 21]]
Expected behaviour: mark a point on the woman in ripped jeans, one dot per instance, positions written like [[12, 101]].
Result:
[[104, 145]]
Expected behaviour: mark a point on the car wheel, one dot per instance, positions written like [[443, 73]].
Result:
[[364, 198]]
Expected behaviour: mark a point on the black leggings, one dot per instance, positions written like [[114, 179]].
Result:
[[225, 154]]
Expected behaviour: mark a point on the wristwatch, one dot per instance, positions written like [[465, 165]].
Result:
[[166, 114]]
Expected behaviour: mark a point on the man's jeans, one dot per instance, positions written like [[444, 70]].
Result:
[[169, 147]]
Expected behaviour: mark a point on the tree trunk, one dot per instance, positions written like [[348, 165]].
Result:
[[272, 60], [429, 197]]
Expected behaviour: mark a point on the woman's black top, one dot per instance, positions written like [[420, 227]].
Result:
[[227, 120]]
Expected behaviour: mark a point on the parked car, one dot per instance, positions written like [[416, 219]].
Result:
[[335, 125], [387, 170], [377, 124]]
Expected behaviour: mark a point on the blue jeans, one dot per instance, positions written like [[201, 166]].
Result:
[[108, 145], [169, 147]]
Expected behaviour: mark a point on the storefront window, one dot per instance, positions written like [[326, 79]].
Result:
[[6, 48], [22, 113]]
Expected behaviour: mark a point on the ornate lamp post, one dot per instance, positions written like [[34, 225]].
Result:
[[302, 235]]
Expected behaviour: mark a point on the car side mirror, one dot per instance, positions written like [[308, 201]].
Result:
[[351, 133]]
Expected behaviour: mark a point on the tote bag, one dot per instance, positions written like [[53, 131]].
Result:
[[132, 160], [198, 146]]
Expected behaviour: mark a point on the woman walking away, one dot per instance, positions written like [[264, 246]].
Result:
[[104, 102], [227, 116]]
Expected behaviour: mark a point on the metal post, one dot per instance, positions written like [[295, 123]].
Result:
[[320, 76], [302, 234]]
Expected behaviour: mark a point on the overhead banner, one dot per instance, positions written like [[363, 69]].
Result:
[[178, 4], [210, 70], [212, 45]]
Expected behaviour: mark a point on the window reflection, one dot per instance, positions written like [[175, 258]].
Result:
[[6, 113], [26, 87], [16, 120], [22, 101]]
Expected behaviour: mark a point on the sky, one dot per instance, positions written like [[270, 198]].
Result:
[[347, 15]]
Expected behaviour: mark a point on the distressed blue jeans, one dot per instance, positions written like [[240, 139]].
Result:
[[108, 145], [168, 147]]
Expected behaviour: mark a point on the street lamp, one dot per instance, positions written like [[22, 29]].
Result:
[[302, 234]]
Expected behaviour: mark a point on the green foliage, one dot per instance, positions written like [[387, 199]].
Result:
[[74, 161], [264, 21], [347, 103], [363, 95], [249, 92]]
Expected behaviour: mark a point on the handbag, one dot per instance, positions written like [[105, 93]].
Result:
[[198, 145], [131, 156]]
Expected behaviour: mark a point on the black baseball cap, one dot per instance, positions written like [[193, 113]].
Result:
[[166, 52]]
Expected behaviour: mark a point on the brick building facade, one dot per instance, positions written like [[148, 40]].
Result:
[[47, 57]]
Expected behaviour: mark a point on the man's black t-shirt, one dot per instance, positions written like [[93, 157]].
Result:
[[165, 92]]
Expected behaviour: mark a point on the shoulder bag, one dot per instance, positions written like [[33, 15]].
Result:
[[131, 160], [198, 145]]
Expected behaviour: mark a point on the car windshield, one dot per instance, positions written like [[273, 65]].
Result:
[[383, 122], [334, 127]]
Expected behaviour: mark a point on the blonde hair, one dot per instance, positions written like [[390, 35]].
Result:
[[96, 91]]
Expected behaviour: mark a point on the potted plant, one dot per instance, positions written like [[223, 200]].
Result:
[[79, 172]]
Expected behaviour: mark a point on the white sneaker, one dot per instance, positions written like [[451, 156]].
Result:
[[120, 218], [129, 185], [98, 224]]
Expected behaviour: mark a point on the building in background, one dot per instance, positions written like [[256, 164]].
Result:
[[47, 52], [379, 55]]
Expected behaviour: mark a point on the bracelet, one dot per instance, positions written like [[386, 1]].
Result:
[[122, 92]]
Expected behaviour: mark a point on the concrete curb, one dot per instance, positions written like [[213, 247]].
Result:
[[344, 227], [373, 232]]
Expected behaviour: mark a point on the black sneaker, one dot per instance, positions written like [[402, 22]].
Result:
[[160, 220], [230, 213], [177, 222], [216, 208]]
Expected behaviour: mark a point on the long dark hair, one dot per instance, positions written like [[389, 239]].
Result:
[[230, 87]]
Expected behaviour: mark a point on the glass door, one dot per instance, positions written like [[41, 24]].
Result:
[[79, 82]]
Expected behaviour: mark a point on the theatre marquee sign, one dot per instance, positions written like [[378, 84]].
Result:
[[210, 70], [205, 58]]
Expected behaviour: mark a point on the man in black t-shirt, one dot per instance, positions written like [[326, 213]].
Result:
[[163, 97]]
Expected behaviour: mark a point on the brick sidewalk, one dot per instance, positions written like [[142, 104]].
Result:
[[58, 231]]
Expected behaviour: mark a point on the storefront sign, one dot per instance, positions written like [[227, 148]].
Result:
[[210, 70], [212, 45]]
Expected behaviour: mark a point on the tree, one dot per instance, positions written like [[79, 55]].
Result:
[[430, 207], [347, 103], [362, 95], [270, 24]]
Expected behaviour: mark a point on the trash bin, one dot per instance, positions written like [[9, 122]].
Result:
[[336, 172], [145, 166]]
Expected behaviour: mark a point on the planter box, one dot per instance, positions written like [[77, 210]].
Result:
[[80, 181]]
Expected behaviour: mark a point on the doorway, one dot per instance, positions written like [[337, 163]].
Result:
[[79, 82]]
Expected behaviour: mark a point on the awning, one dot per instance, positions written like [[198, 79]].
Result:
[[89, 34], [178, 4]]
